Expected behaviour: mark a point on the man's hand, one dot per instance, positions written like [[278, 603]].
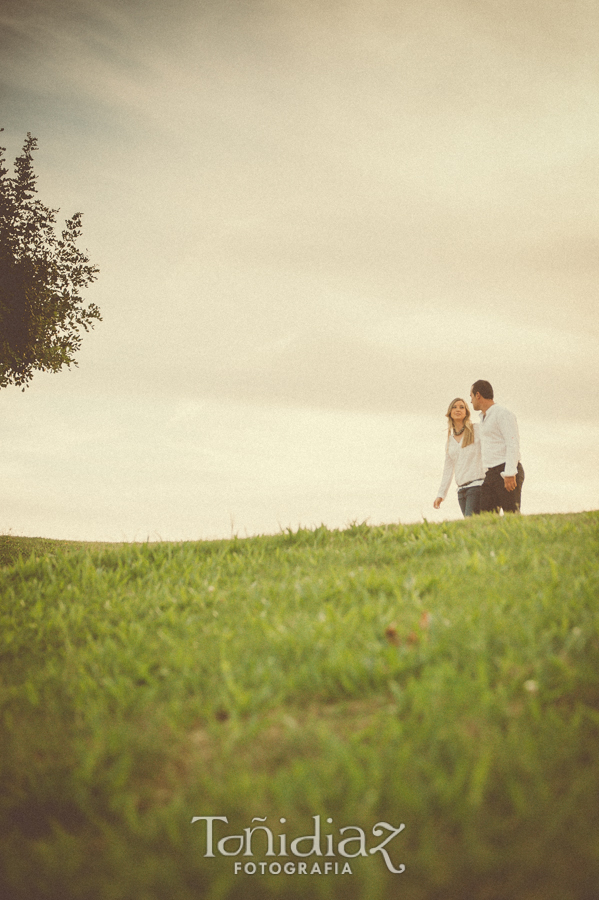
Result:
[[438, 502], [510, 482]]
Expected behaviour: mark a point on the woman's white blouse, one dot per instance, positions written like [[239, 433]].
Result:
[[463, 462]]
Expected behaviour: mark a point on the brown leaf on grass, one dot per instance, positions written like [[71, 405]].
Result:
[[392, 635], [425, 619]]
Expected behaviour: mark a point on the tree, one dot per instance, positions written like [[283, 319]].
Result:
[[42, 275]]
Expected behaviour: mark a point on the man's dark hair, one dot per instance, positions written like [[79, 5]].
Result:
[[483, 388]]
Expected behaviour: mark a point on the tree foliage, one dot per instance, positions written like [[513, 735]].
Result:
[[42, 275]]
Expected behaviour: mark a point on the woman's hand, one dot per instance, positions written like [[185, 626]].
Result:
[[438, 502]]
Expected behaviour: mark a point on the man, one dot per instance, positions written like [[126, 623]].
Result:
[[500, 447]]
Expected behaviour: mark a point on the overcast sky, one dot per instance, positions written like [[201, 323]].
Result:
[[317, 222]]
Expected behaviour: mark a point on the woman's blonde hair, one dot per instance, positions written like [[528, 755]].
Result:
[[468, 425]]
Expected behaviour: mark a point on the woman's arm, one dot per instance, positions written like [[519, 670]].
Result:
[[445, 478]]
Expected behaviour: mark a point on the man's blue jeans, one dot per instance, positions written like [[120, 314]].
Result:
[[469, 500]]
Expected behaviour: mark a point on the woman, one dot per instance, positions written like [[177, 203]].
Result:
[[462, 458]]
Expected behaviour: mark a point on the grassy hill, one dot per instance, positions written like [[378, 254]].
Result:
[[440, 676]]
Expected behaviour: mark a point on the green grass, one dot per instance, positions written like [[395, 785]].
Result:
[[445, 676]]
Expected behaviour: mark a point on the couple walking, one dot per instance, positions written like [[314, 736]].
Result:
[[484, 457]]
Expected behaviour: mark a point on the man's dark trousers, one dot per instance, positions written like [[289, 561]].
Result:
[[493, 495]]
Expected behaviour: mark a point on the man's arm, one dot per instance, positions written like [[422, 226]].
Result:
[[509, 431]]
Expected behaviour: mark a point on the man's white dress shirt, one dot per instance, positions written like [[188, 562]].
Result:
[[464, 462], [500, 442]]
